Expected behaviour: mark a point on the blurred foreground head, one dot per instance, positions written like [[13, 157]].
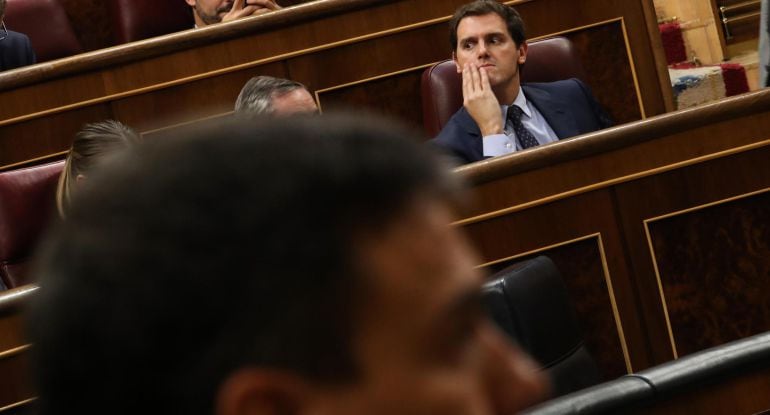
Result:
[[288, 267]]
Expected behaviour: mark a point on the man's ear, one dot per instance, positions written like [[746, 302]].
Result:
[[457, 64], [191, 2], [523, 52], [257, 391]]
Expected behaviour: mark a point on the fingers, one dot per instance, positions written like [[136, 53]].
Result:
[[484, 80], [475, 77], [266, 4], [238, 5]]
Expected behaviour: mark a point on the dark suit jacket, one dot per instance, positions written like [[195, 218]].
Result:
[[15, 51], [568, 106]]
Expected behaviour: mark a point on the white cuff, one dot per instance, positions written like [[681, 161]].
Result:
[[498, 145]]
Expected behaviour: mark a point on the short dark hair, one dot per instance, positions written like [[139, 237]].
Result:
[[512, 19], [256, 97], [192, 256]]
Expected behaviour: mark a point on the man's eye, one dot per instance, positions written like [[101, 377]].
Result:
[[468, 45]]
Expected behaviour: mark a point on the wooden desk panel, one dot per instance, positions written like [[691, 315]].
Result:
[[688, 188], [347, 51]]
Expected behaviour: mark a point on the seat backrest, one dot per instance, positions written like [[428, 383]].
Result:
[[134, 20], [46, 24], [548, 60], [529, 301], [716, 378], [27, 203]]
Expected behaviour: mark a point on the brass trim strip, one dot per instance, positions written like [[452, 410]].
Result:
[[534, 251], [14, 352], [647, 223], [32, 160], [607, 279], [501, 212], [708, 205], [17, 404], [613, 301], [671, 339], [185, 123], [633, 69]]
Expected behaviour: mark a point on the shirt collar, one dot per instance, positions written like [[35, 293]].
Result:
[[521, 102]]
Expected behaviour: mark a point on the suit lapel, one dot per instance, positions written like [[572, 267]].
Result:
[[555, 112]]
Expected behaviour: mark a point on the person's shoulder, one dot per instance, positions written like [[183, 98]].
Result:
[[17, 37], [560, 85]]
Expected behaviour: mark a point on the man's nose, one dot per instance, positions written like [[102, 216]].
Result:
[[513, 381], [482, 50]]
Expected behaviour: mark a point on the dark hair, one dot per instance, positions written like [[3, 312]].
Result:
[[192, 256], [483, 7], [256, 97], [2, 8], [91, 145]]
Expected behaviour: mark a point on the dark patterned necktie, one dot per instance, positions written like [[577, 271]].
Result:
[[526, 139]]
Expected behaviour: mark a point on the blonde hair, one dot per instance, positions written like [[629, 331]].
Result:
[[92, 143]]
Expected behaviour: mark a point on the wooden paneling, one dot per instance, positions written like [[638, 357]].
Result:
[[615, 183], [714, 273], [323, 44], [608, 69], [582, 263]]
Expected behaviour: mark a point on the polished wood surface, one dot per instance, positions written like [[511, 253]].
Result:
[[678, 207], [352, 53]]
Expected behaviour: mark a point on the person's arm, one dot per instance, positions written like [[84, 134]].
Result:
[[482, 105]]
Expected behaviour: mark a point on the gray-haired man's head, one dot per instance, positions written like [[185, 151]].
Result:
[[266, 95]]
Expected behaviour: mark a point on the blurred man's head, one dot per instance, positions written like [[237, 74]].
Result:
[[265, 95], [2, 9], [302, 266]]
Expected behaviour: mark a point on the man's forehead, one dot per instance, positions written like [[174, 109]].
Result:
[[485, 24]]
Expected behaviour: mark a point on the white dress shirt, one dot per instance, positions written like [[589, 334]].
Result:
[[532, 119]]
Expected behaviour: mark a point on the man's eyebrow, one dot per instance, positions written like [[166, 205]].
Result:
[[482, 35]]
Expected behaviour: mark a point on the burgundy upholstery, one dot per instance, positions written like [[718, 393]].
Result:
[[47, 26], [27, 203], [135, 20], [547, 60]]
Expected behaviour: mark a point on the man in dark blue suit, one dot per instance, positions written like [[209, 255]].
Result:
[[499, 115], [15, 49]]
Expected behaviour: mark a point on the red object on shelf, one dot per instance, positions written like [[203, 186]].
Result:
[[673, 42], [735, 79]]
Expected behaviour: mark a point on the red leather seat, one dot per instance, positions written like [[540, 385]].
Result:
[[548, 60], [46, 24], [27, 204], [135, 20]]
